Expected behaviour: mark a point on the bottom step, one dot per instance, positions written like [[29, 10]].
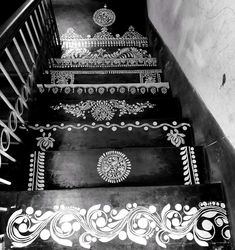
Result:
[[173, 217]]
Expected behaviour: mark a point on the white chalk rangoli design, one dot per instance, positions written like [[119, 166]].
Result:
[[123, 57], [113, 166], [175, 137], [104, 17], [45, 141], [103, 110], [139, 224]]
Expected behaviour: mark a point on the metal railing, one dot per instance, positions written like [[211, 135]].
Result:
[[27, 40]]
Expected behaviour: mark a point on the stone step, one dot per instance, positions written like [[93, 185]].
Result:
[[122, 58], [109, 167], [174, 217], [103, 110], [67, 76], [73, 136], [104, 90]]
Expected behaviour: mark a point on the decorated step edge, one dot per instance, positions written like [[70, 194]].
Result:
[[174, 131], [104, 38], [104, 18], [120, 88], [67, 76], [204, 224], [36, 181], [137, 224], [123, 57]]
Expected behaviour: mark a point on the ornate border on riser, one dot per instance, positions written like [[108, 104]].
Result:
[[102, 63], [202, 224], [37, 168], [174, 132], [131, 88], [131, 38], [68, 76]]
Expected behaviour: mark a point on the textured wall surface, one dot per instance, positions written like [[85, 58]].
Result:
[[201, 36], [195, 75]]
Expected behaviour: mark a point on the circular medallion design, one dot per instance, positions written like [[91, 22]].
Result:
[[102, 110], [113, 166], [104, 17]]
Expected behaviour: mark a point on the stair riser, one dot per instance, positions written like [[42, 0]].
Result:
[[102, 92], [109, 167], [74, 136], [104, 110], [136, 208]]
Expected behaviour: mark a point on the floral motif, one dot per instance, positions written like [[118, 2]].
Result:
[[136, 223], [175, 137], [62, 77], [102, 110], [103, 34], [45, 142], [113, 166]]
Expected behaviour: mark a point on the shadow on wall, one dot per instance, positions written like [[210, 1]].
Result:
[[78, 14], [220, 152]]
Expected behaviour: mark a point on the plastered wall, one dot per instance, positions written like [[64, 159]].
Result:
[[201, 36]]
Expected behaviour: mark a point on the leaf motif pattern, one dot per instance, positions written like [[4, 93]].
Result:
[[36, 171], [190, 169]]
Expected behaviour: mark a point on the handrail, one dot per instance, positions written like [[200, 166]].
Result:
[[27, 40], [13, 24]]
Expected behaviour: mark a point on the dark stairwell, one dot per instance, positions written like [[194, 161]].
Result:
[[111, 153]]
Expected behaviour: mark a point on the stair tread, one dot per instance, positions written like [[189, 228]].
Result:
[[104, 110], [144, 132], [141, 166], [135, 209]]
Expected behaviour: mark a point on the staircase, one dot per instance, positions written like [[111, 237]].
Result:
[[108, 161]]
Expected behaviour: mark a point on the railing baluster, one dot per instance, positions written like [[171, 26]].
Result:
[[43, 17], [12, 83], [14, 65], [21, 55], [3, 149], [3, 209], [52, 25], [38, 22], [49, 41], [3, 181], [44, 10], [35, 30], [10, 131], [4, 98], [7, 156], [49, 18], [34, 24], [31, 37], [40, 11], [27, 46], [47, 24]]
